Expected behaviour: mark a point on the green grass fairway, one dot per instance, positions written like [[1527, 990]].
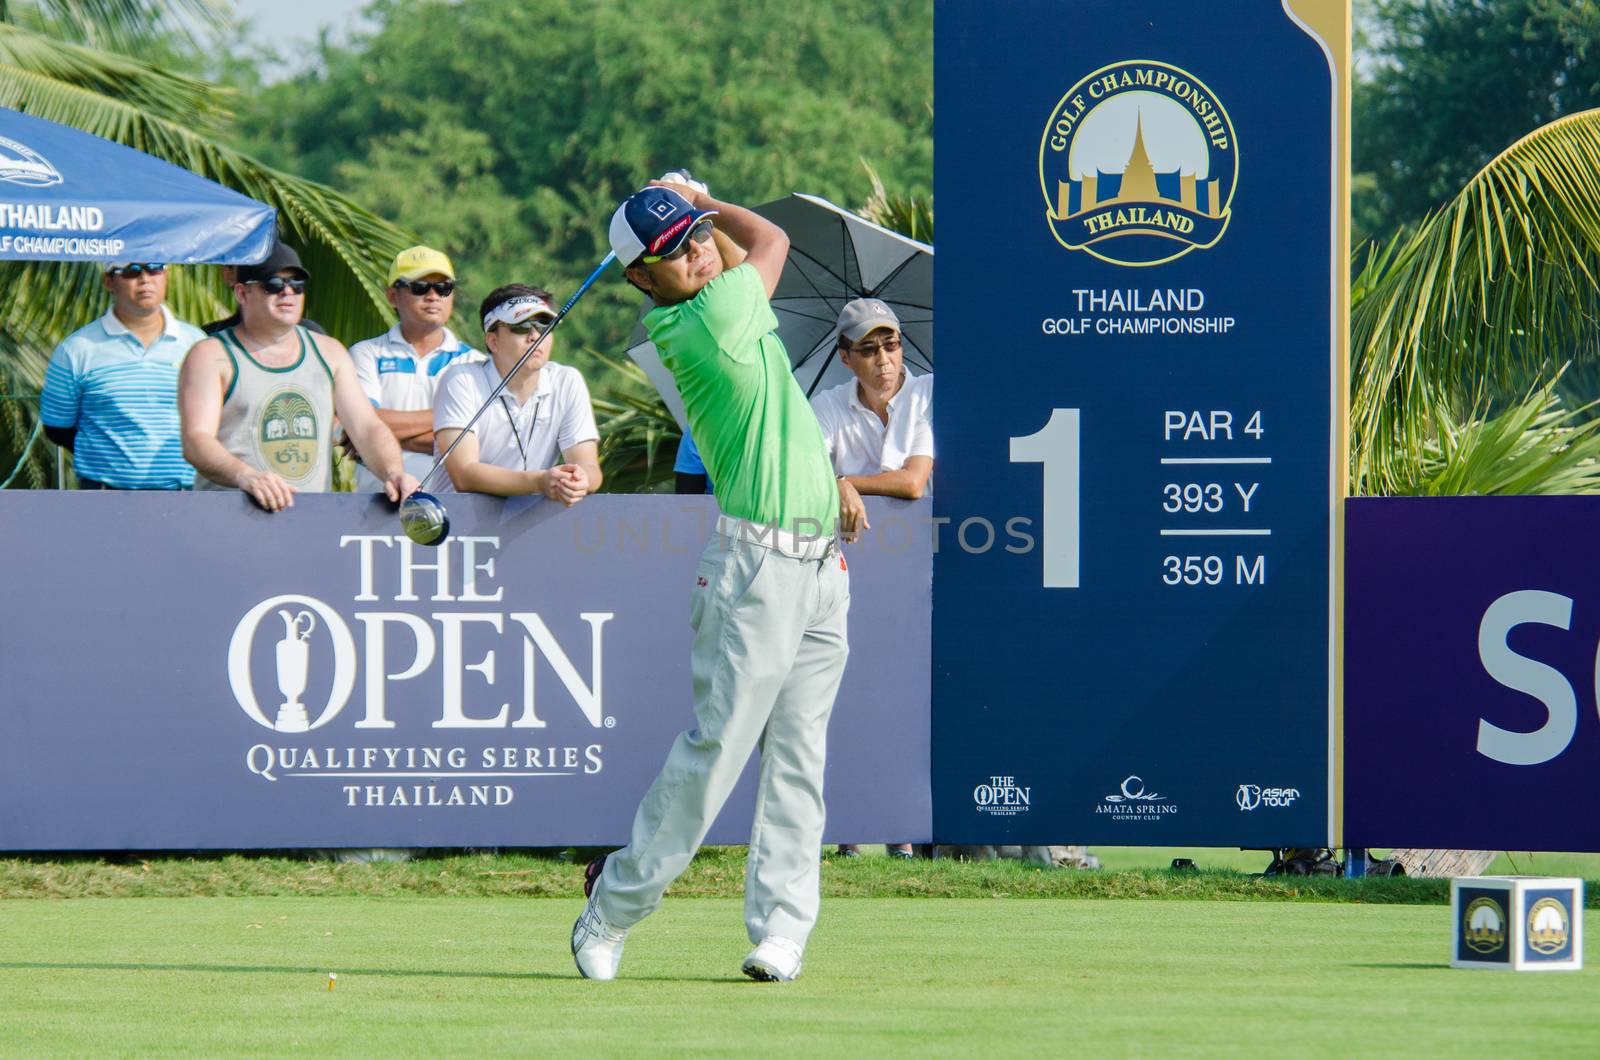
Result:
[[474, 976]]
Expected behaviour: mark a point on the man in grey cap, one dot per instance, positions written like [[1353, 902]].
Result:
[[879, 425]]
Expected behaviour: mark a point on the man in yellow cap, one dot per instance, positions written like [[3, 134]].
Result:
[[400, 369]]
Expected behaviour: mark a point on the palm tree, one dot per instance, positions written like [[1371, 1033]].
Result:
[[69, 61], [1499, 287]]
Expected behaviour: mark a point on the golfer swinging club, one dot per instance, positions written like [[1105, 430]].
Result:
[[769, 597]]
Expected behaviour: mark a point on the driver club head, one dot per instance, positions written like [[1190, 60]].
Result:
[[424, 519]]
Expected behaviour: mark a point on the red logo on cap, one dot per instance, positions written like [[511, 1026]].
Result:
[[673, 229]]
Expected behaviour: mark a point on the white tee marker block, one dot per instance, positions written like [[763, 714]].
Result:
[[1516, 923]]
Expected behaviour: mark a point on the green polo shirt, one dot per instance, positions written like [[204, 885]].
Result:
[[757, 435]]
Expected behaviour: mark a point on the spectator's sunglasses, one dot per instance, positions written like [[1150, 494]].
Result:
[[527, 326], [275, 285], [442, 288], [700, 233], [871, 349], [133, 272]]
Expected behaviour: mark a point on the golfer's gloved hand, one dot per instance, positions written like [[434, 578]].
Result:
[[681, 176]]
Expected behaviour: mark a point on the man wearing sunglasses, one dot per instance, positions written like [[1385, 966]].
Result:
[[400, 369], [539, 437], [879, 425], [258, 400], [230, 276], [110, 392], [770, 594]]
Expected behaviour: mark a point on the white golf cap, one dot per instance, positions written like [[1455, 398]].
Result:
[[653, 221], [863, 315], [516, 310]]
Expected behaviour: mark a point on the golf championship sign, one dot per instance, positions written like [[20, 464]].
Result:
[[213, 676], [1085, 141], [1142, 292]]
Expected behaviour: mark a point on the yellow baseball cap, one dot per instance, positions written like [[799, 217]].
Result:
[[419, 261]]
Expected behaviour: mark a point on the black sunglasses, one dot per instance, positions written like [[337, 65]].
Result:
[[527, 326], [700, 233], [133, 272], [275, 285], [442, 288]]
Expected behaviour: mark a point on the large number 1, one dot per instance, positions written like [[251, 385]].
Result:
[[1056, 447]]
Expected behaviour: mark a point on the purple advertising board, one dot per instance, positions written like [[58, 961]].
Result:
[[1471, 675], [184, 671]]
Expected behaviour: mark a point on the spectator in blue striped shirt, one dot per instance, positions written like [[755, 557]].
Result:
[[111, 391]]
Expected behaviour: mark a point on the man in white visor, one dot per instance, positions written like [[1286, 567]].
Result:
[[539, 436]]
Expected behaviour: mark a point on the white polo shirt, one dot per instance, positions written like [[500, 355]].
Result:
[[526, 437], [395, 377], [862, 444]]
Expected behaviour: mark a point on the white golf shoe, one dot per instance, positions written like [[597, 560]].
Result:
[[776, 960], [596, 945]]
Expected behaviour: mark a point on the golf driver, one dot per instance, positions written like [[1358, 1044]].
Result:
[[422, 515]]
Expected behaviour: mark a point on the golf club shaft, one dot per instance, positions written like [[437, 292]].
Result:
[[506, 379]]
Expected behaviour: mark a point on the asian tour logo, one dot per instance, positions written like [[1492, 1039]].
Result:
[[21, 164], [1137, 165], [1250, 797]]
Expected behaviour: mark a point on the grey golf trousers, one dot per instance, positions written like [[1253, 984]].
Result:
[[769, 650]]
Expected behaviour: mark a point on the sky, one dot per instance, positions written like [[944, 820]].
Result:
[[285, 22]]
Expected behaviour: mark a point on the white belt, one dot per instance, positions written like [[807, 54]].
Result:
[[734, 531]]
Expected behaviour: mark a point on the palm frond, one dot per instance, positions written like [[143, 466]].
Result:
[[25, 458], [638, 436], [1534, 446], [1499, 283], [899, 212], [125, 24], [71, 84]]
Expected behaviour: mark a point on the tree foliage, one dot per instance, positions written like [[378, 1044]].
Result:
[[506, 132], [1501, 285], [1446, 85]]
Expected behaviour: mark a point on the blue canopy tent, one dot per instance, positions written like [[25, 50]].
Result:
[[67, 195]]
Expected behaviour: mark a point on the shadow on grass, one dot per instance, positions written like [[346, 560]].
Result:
[[274, 969], [1407, 966]]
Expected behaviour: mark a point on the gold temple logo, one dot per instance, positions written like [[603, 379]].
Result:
[[1548, 926], [1138, 164], [1483, 925]]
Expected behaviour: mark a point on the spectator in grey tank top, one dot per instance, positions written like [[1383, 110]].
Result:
[[257, 400]]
